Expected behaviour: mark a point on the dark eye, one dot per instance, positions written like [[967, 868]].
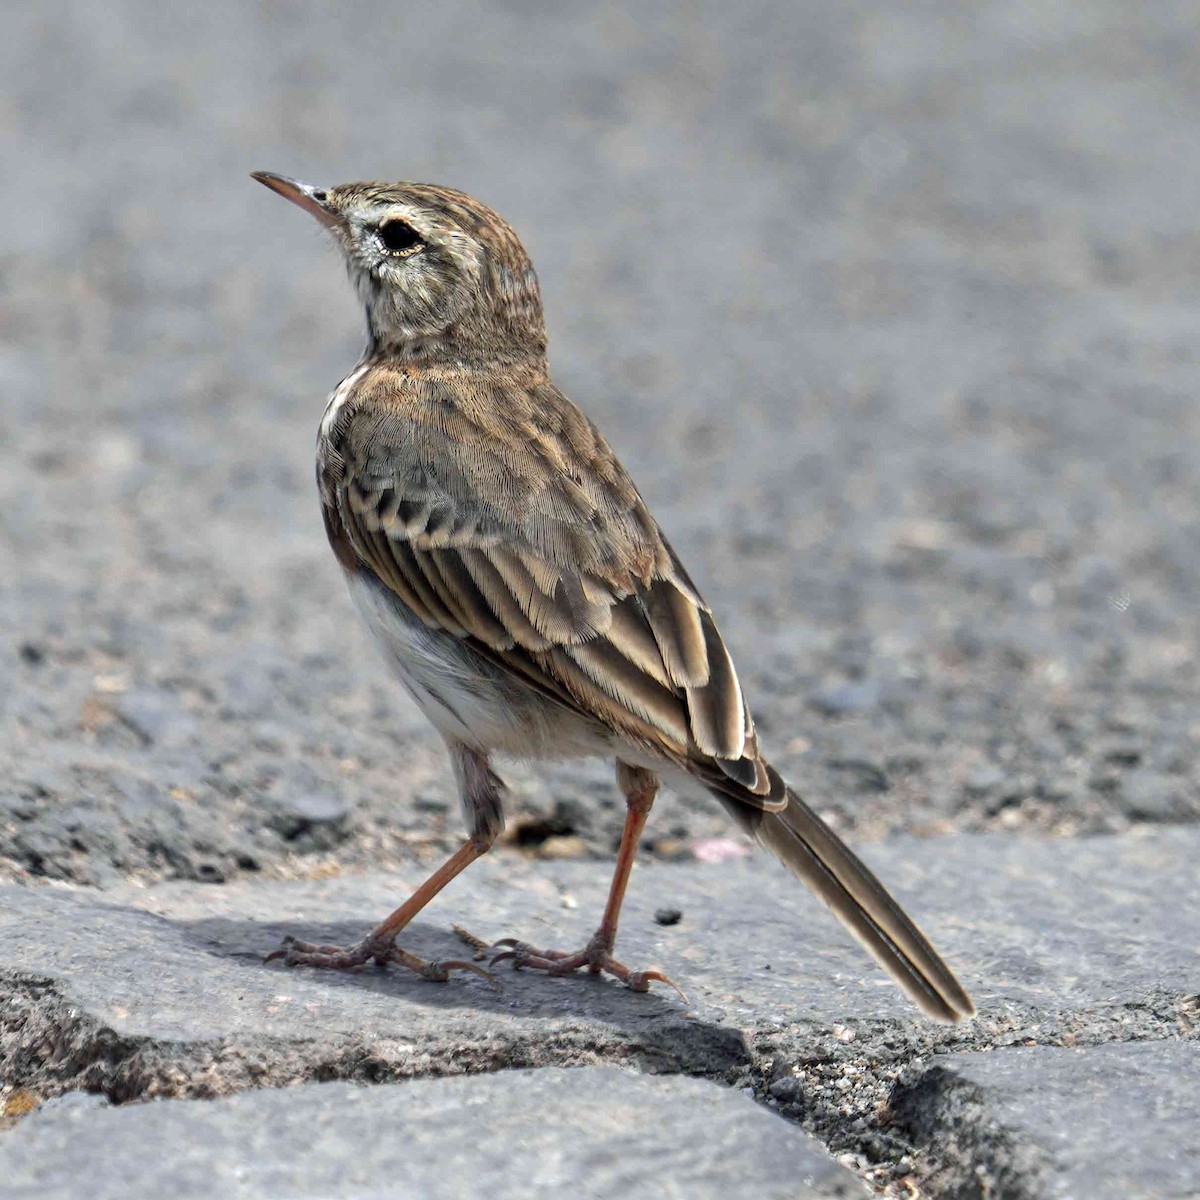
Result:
[[400, 237]]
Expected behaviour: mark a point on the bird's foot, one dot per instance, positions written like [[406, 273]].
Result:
[[382, 950], [596, 956]]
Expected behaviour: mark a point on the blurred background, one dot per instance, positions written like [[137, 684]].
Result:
[[890, 310]]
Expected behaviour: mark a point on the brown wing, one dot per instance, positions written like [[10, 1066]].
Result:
[[501, 516]]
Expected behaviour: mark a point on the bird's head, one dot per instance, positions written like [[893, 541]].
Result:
[[441, 276]]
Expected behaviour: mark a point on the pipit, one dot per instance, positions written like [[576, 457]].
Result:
[[519, 586]]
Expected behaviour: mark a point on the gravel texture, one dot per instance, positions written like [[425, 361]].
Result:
[[890, 312]]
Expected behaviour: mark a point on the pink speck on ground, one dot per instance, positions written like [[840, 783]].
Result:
[[718, 849]]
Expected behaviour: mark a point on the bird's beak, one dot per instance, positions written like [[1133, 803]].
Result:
[[313, 200]]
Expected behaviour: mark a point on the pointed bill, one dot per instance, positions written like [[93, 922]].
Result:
[[312, 199]]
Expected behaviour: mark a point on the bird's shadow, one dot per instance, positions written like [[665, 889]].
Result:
[[246, 942]]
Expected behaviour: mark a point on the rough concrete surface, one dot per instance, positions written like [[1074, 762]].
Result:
[[595, 1132], [891, 312], [149, 993], [1107, 1123], [1061, 936]]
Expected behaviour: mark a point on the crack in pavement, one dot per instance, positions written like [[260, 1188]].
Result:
[[859, 1092], [860, 1088], [50, 1046], [155, 993]]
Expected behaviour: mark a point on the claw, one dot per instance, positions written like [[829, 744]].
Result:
[[292, 947], [595, 957], [524, 955], [525, 950], [518, 952], [639, 981], [439, 972], [381, 949], [284, 950]]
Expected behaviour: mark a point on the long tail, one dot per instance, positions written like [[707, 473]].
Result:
[[814, 853]]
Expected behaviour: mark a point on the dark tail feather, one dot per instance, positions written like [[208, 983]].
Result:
[[813, 852]]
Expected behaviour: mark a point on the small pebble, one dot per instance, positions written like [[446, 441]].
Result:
[[560, 846], [983, 779], [667, 916]]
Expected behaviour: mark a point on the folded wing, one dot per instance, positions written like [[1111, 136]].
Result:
[[506, 520]]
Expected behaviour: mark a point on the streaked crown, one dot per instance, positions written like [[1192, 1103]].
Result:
[[441, 276]]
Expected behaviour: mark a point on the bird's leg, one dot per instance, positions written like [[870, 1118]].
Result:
[[481, 793], [640, 787], [380, 943]]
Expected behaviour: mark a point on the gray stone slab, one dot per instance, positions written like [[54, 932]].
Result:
[[162, 991], [517, 1135], [1115, 1122]]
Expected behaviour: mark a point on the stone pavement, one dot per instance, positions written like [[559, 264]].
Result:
[[518, 1135], [891, 311], [1107, 1122], [161, 992]]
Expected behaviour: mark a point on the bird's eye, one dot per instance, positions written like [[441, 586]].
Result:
[[400, 238]]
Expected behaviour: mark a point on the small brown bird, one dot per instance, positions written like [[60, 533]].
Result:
[[519, 586]]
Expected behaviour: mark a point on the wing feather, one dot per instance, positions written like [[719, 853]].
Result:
[[718, 715], [603, 663], [675, 622], [502, 601], [474, 607], [541, 554]]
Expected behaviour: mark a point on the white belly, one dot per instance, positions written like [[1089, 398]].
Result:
[[465, 697]]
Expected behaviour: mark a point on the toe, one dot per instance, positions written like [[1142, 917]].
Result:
[[311, 954], [640, 981], [476, 943], [440, 971]]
